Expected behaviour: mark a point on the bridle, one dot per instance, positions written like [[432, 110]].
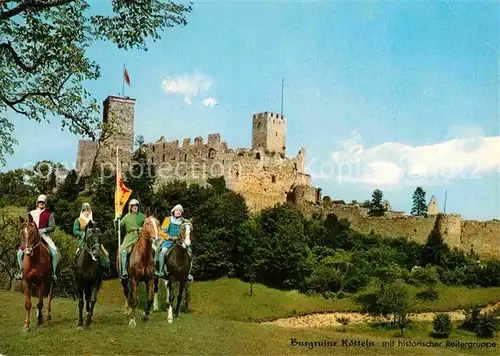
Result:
[[86, 242], [28, 250], [156, 234]]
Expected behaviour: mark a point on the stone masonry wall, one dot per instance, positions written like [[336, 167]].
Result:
[[269, 132], [264, 179], [85, 156], [483, 236]]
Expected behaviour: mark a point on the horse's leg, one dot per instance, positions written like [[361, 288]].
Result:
[[27, 304], [133, 302], [150, 295], [170, 296], [93, 300], [49, 301], [80, 304], [156, 289], [182, 285], [126, 292], [39, 312], [88, 296]]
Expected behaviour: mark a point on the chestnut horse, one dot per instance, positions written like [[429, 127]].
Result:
[[141, 268], [36, 269], [177, 264]]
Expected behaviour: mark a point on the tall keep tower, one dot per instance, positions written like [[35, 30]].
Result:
[[269, 132], [119, 112]]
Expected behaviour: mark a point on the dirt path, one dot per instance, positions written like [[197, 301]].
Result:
[[330, 319]]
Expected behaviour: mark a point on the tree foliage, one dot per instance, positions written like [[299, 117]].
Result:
[[44, 61], [376, 206], [419, 208]]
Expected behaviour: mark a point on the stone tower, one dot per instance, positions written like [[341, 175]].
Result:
[[432, 208], [119, 114], [269, 132]]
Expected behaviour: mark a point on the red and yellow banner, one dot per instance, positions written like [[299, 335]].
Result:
[[122, 193]]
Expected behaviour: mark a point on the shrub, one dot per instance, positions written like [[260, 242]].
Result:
[[441, 325], [471, 314], [486, 325]]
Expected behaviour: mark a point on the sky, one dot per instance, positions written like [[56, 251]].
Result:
[[382, 95]]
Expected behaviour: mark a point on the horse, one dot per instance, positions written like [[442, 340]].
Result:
[[177, 264], [88, 273], [36, 269], [141, 268]]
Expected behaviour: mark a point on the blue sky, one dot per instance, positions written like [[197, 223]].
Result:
[[408, 92]]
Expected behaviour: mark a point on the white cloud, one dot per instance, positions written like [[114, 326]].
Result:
[[189, 85], [396, 164], [209, 102]]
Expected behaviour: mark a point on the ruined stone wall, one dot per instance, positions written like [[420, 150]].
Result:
[[264, 179], [85, 156], [483, 236]]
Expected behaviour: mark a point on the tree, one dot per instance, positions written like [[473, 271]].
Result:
[[376, 207], [419, 207], [43, 61]]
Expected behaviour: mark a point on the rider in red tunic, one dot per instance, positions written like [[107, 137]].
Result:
[[45, 222]]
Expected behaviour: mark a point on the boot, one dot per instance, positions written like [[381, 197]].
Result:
[[55, 261], [161, 269], [19, 275], [124, 264], [157, 260], [190, 277]]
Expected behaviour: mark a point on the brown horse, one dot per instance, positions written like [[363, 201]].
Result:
[[37, 269], [177, 265], [141, 268]]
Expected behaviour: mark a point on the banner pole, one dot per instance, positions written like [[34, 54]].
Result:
[[118, 227]]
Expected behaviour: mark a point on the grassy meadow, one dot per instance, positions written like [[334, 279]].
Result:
[[222, 319]]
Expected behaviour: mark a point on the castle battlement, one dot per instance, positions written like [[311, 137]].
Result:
[[262, 174]]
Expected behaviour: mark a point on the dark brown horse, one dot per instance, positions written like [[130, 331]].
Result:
[[177, 265], [37, 269], [141, 268]]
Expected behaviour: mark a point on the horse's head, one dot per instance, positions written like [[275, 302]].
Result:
[[151, 226], [29, 235], [185, 235], [92, 240]]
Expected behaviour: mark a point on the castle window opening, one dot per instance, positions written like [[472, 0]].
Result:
[[185, 157], [273, 179], [211, 153], [153, 148], [276, 133], [257, 155]]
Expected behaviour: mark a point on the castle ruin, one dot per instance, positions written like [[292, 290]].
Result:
[[262, 174]]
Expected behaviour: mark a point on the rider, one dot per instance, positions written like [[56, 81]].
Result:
[[79, 231], [45, 222], [170, 231], [132, 222]]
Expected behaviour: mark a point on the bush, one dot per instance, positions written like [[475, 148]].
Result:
[[441, 325], [471, 314], [486, 325]]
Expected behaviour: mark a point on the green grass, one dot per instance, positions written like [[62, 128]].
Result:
[[193, 334]]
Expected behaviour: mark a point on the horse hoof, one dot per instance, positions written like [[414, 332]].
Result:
[[132, 323], [48, 317], [26, 329], [170, 321], [80, 327]]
